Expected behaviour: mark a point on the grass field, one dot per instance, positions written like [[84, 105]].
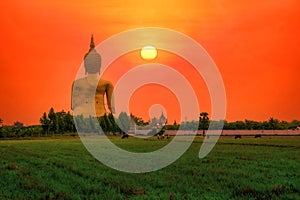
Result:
[[61, 168]]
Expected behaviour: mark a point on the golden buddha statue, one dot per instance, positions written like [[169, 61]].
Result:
[[88, 93]]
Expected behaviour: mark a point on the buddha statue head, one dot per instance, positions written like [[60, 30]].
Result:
[[92, 59]]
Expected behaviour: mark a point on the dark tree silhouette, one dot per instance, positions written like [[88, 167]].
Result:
[[114, 127], [58, 122], [273, 123], [18, 124], [54, 127], [45, 123], [124, 122], [203, 122]]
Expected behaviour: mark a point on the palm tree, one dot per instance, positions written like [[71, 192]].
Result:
[[203, 122]]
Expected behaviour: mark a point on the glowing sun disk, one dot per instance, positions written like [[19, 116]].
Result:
[[148, 53]]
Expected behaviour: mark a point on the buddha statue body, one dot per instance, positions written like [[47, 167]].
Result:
[[89, 92]]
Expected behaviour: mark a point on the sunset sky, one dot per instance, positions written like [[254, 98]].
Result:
[[255, 45]]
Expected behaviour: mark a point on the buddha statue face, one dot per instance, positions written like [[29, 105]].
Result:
[[92, 60]]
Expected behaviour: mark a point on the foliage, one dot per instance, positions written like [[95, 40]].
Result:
[[203, 122], [271, 124], [105, 124], [57, 122], [124, 122], [174, 126], [192, 125], [138, 120], [114, 126], [18, 124], [63, 122], [16, 131]]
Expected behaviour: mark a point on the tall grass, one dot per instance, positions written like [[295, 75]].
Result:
[[248, 168]]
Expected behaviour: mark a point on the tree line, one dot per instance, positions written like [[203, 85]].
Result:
[[57, 122], [271, 124], [18, 130], [63, 122]]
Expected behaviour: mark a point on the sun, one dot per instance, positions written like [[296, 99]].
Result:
[[148, 53]]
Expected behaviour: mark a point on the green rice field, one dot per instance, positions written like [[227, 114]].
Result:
[[61, 168]]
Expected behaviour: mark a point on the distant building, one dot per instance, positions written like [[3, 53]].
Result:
[[162, 120]]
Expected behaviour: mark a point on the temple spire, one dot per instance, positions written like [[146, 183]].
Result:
[[162, 119], [92, 44]]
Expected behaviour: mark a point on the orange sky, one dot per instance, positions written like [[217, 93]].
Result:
[[254, 44]]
